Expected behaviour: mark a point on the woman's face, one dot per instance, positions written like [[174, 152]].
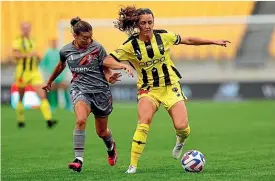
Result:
[[146, 24], [84, 39]]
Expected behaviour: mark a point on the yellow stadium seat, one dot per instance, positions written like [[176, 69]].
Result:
[[44, 17], [233, 33], [272, 45]]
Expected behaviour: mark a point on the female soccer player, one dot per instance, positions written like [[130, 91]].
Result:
[[27, 73], [90, 90], [148, 51]]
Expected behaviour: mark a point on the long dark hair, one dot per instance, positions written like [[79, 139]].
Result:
[[129, 17], [80, 26]]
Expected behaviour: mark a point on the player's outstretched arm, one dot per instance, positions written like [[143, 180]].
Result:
[[57, 71], [111, 63], [199, 41]]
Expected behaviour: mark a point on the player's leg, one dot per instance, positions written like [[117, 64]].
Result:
[[20, 108], [21, 80], [173, 101], [147, 106], [179, 116], [45, 107], [102, 130], [82, 111], [53, 97], [102, 108], [63, 86]]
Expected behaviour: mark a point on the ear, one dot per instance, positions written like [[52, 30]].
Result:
[[74, 35]]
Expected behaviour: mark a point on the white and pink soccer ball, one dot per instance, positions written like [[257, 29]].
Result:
[[193, 161]]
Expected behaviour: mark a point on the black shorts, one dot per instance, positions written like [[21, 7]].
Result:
[[100, 103]]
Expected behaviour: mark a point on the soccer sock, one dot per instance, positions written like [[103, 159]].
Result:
[[79, 141], [20, 112], [46, 109], [182, 134], [108, 141], [138, 143], [53, 99]]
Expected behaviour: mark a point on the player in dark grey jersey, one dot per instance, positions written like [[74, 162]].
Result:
[[90, 88]]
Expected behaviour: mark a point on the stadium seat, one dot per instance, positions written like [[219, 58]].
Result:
[[44, 17], [272, 45], [233, 33]]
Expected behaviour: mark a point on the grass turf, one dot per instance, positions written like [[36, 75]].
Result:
[[237, 139]]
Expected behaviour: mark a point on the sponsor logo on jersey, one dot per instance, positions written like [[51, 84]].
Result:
[[152, 62]]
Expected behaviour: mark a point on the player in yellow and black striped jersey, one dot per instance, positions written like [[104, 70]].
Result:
[[151, 59], [148, 52], [27, 73]]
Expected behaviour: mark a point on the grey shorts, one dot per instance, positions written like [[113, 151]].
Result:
[[101, 103]]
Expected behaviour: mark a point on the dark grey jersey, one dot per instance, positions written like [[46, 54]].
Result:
[[86, 67]]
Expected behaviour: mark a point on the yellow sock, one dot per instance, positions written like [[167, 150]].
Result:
[[46, 109], [20, 112], [138, 143], [182, 134]]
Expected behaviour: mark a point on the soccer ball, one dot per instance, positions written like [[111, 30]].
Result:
[[193, 161]]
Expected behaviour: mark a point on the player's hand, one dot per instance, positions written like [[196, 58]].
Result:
[[222, 42], [114, 78], [34, 54], [129, 70], [47, 87]]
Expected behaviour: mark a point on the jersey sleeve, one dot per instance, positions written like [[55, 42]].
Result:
[[123, 53], [16, 45], [172, 38], [62, 56], [102, 54]]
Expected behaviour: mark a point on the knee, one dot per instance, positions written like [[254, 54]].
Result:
[[145, 119], [181, 123], [102, 133], [146, 110], [81, 122], [181, 126]]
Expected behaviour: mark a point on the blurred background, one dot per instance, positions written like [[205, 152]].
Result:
[[231, 93], [243, 70]]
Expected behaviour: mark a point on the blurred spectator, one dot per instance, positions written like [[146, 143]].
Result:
[[48, 64], [27, 73]]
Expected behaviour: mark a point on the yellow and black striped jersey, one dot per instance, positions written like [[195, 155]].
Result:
[[151, 60], [25, 45]]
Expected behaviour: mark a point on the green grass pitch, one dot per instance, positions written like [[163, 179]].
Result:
[[237, 139]]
